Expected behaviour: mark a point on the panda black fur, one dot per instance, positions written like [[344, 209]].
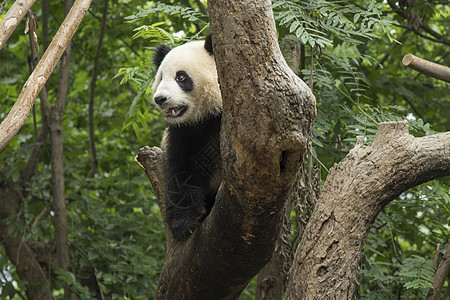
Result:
[[186, 91]]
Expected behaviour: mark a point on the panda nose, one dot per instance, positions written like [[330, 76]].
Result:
[[160, 100]]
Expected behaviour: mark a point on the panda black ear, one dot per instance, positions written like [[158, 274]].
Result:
[[159, 54], [208, 44]]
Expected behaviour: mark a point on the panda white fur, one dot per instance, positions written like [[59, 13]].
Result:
[[187, 93]]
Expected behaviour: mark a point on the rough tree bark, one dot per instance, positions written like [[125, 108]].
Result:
[[356, 189], [271, 279], [266, 123]]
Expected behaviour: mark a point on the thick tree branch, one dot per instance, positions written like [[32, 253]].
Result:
[[266, 123], [427, 67], [12, 18], [356, 190], [271, 278], [19, 112]]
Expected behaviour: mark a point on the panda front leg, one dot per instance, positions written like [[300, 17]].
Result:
[[185, 203]]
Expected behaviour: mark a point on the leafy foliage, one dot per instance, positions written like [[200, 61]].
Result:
[[401, 246], [318, 22], [187, 13], [356, 90], [417, 272], [353, 51]]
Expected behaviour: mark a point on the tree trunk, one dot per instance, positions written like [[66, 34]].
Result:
[[266, 124], [356, 189], [18, 252]]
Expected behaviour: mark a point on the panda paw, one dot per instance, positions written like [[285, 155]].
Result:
[[182, 229]]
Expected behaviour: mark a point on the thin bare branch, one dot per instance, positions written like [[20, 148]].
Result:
[[12, 18], [94, 166], [33, 159], [128, 45], [19, 112]]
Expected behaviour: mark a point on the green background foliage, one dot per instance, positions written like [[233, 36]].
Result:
[[115, 229]]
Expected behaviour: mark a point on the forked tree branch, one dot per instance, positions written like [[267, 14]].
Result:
[[356, 190], [266, 124], [19, 112]]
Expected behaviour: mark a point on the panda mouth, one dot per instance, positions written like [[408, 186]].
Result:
[[175, 112]]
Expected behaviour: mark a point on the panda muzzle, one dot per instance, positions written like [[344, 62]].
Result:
[[174, 112]]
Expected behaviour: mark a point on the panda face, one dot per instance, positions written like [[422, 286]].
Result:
[[186, 88]]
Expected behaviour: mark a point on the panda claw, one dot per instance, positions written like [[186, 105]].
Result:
[[181, 231]]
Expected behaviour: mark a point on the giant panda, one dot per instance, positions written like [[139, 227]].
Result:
[[186, 91]]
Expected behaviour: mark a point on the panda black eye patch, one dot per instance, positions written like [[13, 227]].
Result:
[[184, 81]]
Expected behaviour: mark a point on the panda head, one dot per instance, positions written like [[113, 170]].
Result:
[[186, 89]]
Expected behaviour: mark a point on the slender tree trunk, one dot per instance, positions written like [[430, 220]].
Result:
[[58, 188], [94, 166], [57, 150]]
